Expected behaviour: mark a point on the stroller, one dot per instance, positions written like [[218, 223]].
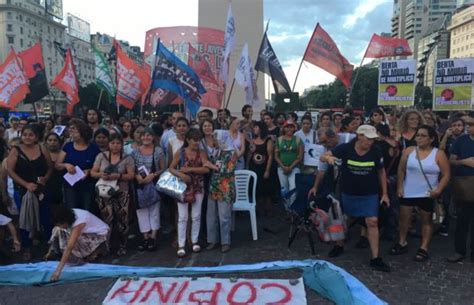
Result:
[[321, 214]]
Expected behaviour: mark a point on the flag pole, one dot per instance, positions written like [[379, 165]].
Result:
[[302, 59], [100, 98], [230, 93], [264, 33], [354, 81], [36, 112]]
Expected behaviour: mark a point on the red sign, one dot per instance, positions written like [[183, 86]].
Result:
[[66, 81], [208, 44], [387, 46], [323, 52], [133, 80], [13, 82]]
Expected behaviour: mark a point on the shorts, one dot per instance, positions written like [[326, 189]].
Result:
[[360, 206], [425, 203]]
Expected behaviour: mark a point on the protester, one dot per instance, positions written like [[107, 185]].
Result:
[[348, 129], [48, 126], [325, 120], [309, 137], [79, 155], [409, 123], [78, 236], [337, 119], [93, 118], [3, 144], [14, 131], [289, 151], [280, 119], [222, 120], [273, 130], [127, 132], [377, 116], [170, 133], [149, 164], [221, 193], [363, 178], [176, 142], [54, 185], [191, 171], [118, 169], [130, 147], [101, 138], [462, 160], [418, 185], [238, 140], [30, 167], [260, 161]]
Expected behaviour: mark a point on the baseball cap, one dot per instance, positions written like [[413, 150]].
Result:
[[368, 131]]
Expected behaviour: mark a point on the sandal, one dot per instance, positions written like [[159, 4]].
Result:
[[181, 252], [421, 256], [398, 249]]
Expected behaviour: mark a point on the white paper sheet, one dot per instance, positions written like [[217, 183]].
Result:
[[74, 178]]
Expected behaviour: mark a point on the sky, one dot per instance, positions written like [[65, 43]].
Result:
[[350, 23]]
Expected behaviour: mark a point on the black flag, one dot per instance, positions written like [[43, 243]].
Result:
[[268, 63]]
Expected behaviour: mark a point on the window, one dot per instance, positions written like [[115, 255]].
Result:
[[20, 17], [9, 28], [11, 39], [9, 15], [9, 1], [21, 42], [21, 30]]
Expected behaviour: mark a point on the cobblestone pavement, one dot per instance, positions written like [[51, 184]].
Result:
[[435, 282]]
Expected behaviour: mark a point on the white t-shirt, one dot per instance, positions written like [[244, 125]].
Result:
[[310, 138], [93, 224], [167, 135], [175, 144], [10, 133]]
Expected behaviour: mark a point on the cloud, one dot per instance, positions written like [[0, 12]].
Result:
[[361, 11]]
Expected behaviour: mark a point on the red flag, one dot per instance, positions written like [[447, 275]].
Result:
[[13, 82], [33, 65], [387, 46], [66, 81], [133, 80], [323, 52]]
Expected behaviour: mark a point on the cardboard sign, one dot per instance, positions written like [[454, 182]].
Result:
[[312, 153], [209, 291], [397, 82]]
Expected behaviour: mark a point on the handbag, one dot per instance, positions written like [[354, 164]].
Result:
[[106, 188], [172, 185], [438, 214], [147, 196]]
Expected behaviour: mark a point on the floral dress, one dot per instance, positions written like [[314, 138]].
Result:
[[222, 185], [196, 186]]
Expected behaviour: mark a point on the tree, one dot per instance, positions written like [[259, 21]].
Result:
[[423, 97]]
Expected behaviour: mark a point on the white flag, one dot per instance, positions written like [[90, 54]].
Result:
[[245, 77], [229, 44]]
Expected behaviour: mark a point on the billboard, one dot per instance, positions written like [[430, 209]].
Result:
[[205, 45], [53, 8], [453, 82], [79, 28], [397, 83]]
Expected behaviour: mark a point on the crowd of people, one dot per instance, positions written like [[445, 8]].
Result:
[[78, 184]]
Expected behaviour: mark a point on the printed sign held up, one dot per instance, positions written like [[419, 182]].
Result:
[[397, 83]]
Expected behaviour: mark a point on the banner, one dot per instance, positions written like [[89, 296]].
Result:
[[103, 77], [132, 79], [208, 44], [397, 83], [13, 82], [66, 81], [322, 52], [268, 63], [245, 77], [182, 290], [33, 65], [78, 28], [386, 47], [453, 83], [229, 44], [173, 74]]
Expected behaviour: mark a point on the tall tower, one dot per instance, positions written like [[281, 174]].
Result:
[[248, 16]]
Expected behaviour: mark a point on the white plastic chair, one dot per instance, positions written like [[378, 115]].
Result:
[[244, 183]]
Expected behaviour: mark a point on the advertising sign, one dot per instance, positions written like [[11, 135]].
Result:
[[54, 8], [453, 82], [397, 83], [206, 43], [79, 28], [212, 291]]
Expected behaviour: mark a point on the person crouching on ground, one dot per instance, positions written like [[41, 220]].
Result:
[[79, 236]]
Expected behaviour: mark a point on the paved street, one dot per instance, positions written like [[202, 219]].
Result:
[[434, 283]]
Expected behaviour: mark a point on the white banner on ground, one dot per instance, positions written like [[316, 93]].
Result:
[[210, 291]]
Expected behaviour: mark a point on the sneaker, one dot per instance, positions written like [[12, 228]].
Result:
[[211, 246], [363, 243], [336, 251], [181, 252], [379, 265], [143, 246], [225, 248], [456, 258], [443, 231], [196, 248]]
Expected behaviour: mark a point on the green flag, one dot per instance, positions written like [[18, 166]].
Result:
[[103, 77]]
